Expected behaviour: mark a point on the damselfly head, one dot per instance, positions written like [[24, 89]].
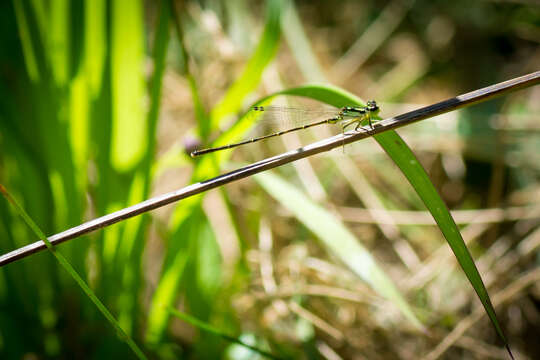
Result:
[[372, 106]]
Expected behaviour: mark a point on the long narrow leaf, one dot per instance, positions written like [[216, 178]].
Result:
[[250, 78], [67, 266], [129, 138], [185, 215], [404, 158], [209, 328], [337, 238]]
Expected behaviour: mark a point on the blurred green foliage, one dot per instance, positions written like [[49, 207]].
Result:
[[86, 86]]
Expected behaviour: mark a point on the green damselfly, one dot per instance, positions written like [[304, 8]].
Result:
[[347, 116]]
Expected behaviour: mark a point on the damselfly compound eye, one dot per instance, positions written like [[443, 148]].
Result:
[[372, 105]]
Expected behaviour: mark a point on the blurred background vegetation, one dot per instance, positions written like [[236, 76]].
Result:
[[101, 101]]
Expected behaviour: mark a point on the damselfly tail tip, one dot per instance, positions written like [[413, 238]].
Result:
[[191, 146]]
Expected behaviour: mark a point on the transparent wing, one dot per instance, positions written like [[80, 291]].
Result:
[[293, 110], [281, 117], [285, 120]]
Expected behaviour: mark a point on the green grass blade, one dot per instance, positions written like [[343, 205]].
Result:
[[132, 241], [185, 215], [58, 41], [203, 275], [129, 138], [299, 44], [67, 266], [26, 41], [337, 238], [265, 52], [95, 34], [209, 328], [176, 259], [404, 158], [78, 128], [331, 95], [200, 113]]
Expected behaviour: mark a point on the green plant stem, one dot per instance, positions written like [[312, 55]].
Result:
[[206, 327]]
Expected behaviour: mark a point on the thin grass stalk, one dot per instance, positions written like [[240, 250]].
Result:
[[327, 144]]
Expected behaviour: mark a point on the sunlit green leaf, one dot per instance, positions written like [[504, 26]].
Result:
[[404, 158], [129, 138], [250, 78], [337, 238]]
